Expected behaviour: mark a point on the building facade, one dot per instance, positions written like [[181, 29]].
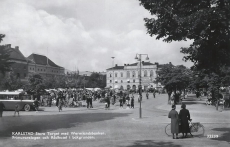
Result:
[[128, 76], [20, 65], [42, 65], [34, 64]]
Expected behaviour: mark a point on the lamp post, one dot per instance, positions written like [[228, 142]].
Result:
[[140, 86], [113, 71]]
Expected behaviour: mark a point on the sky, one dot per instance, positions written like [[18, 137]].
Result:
[[85, 34]]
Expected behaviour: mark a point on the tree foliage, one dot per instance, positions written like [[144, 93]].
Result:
[[96, 80], [36, 83], [5, 63], [205, 22], [174, 77], [11, 82]]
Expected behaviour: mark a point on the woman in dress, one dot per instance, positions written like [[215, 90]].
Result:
[[184, 116], [173, 114]]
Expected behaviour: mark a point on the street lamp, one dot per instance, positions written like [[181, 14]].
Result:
[[140, 86], [113, 71]]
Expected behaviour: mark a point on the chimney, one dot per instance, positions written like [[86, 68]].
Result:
[[17, 48], [124, 64], [8, 46], [116, 65]]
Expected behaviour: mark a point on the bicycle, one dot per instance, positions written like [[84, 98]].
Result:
[[196, 129]]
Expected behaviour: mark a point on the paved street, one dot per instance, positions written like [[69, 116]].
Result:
[[115, 127]]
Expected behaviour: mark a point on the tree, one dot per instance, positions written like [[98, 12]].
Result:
[[206, 22], [11, 82], [5, 63], [173, 78], [96, 80], [36, 83]]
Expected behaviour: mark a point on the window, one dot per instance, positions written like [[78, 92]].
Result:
[[121, 74], [145, 73], [151, 73], [38, 69], [115, 74], [110, 81], [133, 75], [110, 75], [121, 81], [24, 75], [128, 74], [116, 81], [133, 81]]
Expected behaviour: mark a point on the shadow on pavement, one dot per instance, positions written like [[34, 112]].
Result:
[[48, 123], [225, 136], [151, 143]]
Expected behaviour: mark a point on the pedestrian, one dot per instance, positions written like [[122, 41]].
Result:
[[36, 104], [87, 100], [2, 107], [108, 101], [127, 100], [121, 100], [91, 101], [60, 104], [132, 102], [147, 95], [154, 93], [172, 100], [16, 110], [173, 114], [184, 116]]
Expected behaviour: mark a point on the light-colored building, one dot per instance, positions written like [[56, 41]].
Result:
[[127, 76]]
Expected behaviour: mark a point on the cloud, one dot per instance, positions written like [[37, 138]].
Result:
[[84, 33]]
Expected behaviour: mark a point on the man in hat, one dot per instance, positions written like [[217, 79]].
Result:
[[184, 116]]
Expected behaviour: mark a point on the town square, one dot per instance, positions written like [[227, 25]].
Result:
[[114, 73]]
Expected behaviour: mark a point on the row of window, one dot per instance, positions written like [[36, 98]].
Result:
[[133, 74], [122, 81], [43, 70]]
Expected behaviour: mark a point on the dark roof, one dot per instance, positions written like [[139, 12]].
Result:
[[116, 67], [144, 63], [147, 63], [133, 64], [41, 59], [15, 54]]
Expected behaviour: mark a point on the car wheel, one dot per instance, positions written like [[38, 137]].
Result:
[[27, 107]]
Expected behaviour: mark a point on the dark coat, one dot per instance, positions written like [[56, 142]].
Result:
[[174, 121], [184, 116], [2, 106]]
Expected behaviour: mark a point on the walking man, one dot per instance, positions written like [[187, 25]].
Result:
[[154, 93]]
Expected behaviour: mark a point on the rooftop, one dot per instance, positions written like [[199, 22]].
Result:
[[41, 59]]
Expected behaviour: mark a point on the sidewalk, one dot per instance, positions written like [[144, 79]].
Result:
[[199, 112]]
